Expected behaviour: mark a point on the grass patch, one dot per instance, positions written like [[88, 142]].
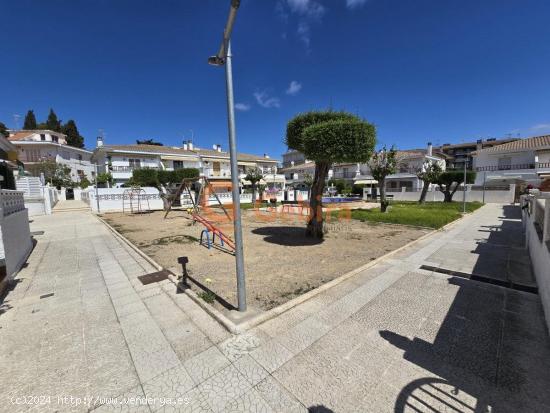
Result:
[[431, 214], [207, 296]]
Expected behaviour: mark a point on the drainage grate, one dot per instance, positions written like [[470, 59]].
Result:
[[46, 295], [482, 278], [154, 277]]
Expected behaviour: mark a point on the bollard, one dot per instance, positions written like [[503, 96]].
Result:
[[183, 261]]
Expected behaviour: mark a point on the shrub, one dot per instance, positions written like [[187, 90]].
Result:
[[144, 177], [84, 182]]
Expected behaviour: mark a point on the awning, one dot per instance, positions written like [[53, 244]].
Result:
[[243, 163], [177, 158], [260, 182], [366, 182]]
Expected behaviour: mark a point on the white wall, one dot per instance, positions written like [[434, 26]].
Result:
[[434, 195], [539, 250], [15, 237]]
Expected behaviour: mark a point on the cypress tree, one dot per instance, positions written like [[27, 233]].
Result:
[[30, 121], [53, 123], [73, 137]]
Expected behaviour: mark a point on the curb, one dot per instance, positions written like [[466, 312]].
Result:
[[268, 315]]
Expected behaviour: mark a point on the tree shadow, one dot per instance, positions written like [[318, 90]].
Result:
[[288, 236], [319, 409]]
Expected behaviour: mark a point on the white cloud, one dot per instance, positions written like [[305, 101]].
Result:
[[294, 88], [243, 107], [540, 126], [304, 33], [266, 101], [353, 4], [309, 8]]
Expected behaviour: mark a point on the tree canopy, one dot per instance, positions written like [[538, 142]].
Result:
[[382, 164], [149, 142], [52, 123], [30, 121], [4, 130], [73, 137], [453, 176], [327, 137]]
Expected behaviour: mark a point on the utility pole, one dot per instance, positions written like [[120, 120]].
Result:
[[464, 187], [224, 58]]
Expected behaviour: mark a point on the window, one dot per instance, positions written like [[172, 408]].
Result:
[[79, 157], [42, 137], [33, 155], [55, 138], [178, 164], [80, 172], [134, 163], [505, 163]]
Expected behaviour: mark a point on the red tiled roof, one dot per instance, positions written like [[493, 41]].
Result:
[[536, 142], [19, 136]]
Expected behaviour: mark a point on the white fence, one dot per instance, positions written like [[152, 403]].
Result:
[[536, 224], [498, 196], [15, 236], [39, 200]]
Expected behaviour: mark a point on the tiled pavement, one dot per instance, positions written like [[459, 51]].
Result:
[[393, 338]]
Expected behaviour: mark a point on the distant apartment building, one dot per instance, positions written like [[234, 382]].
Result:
[[214, 164], [523, 161], [293, 157], [458, 154], [36, 146]]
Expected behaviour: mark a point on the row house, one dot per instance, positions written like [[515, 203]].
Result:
[[214, 164], [524, 161], [36, 146]]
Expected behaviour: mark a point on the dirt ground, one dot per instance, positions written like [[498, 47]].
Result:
[[281, 263]]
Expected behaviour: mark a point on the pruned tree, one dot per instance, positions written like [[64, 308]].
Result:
[[429, 173], [73, 137], [254, 176], [30, 121], [450, 180], [327, 137], [382, 164], [52, 123]]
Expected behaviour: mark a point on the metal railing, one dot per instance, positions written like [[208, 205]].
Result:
[[505, 167], [130, 168], [344, 175], [543, 165]]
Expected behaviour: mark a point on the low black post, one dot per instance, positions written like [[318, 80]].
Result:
[[183, 261]]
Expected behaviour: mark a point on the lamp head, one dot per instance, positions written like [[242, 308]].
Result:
[[216, 61]]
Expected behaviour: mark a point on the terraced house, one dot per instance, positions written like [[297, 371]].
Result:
[[122, 160]]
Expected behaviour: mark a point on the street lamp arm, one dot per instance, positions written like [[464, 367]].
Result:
[[219, 59]]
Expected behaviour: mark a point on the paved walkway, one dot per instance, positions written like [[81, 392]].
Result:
[[394, 338], [70, 205]]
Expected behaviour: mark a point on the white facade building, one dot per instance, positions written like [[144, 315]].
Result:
[[522, 161], [35, 146], [122, 160]]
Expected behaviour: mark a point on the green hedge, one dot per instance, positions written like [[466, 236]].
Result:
[[155, 178]]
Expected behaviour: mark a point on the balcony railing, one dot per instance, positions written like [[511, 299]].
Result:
[[344, 175], [505, 167], [543, 165], [130, 168]]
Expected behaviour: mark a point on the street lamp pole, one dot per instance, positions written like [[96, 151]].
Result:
[[464, 189], [224, 58]]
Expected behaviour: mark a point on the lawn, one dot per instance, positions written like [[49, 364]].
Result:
[[431, 214]]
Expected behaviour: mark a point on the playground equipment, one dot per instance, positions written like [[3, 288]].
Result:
[[185, 186], [135, 199], [210, 228]]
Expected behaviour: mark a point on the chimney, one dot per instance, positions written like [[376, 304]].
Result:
[[266, 156], [291, 163], [190, 145], [430, 149], [218, 147], [99, 142], [479, 144], [184, 145]]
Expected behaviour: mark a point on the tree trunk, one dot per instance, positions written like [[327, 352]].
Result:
[[424, 192], [315, 221], [383, 201], [253, 194]]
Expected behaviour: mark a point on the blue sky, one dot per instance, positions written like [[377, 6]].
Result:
[[421, 70]]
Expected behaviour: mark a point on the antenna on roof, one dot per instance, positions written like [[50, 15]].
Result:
[[16, 120]]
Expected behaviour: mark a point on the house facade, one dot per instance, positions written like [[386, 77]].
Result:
[[36, 146], [524, 161], [122, 160], [456, 155]]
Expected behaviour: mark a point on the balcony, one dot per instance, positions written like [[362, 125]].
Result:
[[344, 175], [130, 169], [513, 167]]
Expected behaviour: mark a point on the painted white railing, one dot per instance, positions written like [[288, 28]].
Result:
[[11, 201], [536, 224]]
